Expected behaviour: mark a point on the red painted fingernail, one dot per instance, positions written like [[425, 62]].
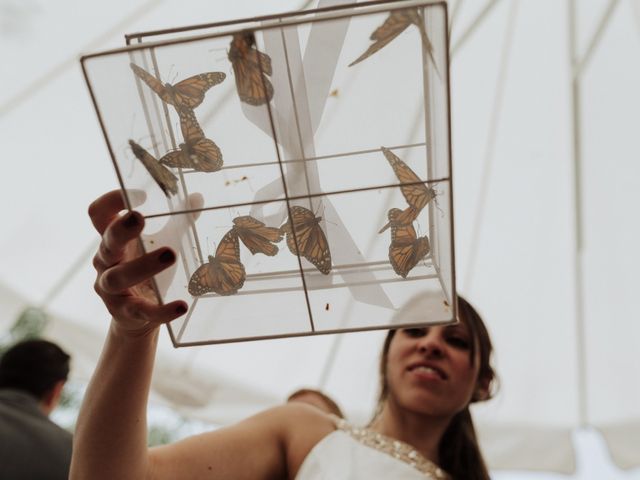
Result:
[[167, 257], [132, 220], [181, 309]]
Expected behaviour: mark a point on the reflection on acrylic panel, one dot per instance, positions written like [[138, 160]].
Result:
[[337, 272]]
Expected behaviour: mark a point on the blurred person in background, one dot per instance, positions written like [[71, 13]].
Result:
[[317, 399], [32, 376]]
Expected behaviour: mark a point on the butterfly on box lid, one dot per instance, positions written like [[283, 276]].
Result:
[[165, 179], [224, 274], [188, 93], [303, 228], [256, 236], [197, 151], [415, 192], [251, 68], [406, 249], [396, 23]]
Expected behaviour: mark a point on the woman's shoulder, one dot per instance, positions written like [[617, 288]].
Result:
[[301, 423], [303, 426]]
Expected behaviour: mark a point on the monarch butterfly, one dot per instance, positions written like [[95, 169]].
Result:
[[309, 236], [224, 274], [396, 23], [406, 249], [417, 194], [256, 236], [188, 93], [166, 180], [250, 67], [197, 151]]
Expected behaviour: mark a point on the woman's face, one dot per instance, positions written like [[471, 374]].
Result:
[[429, 370]]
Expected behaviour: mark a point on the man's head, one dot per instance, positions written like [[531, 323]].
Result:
[[317, 399], [37, 367]]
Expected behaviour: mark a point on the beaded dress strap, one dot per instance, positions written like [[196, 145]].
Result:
[[397, 449]]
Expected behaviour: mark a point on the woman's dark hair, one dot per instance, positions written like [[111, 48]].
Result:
[[459, 451], [33, 366]]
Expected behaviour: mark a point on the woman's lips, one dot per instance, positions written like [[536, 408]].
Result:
[[427, 372]]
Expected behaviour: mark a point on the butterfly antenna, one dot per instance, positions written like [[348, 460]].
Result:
[[435, 200], [125, 150]]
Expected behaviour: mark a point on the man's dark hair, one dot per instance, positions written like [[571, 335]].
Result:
[[33, 366]]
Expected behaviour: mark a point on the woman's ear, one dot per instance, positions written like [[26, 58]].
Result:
[[482, 390]]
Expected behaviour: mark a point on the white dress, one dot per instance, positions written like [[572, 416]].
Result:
[[352, 453]]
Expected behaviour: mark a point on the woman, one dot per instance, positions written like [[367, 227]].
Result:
[[430, 375]]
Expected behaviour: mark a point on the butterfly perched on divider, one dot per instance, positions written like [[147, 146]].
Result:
[[406, 249], [309, 236], [251, 68], [256, 236], [165, 179], [223, 274], [417, 194], [396, 23], [197, 151], [188, 93]]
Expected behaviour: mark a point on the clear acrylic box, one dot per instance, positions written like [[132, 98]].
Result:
[[289, 128]]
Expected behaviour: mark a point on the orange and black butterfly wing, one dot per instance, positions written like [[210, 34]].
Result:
[[417, 194], [406, 250], [401, 249], [316, 250], [310, 238], [224, 274], [189, 93], [190, 129], [175, 159], [203, 279], [256, 236], [156, 85], [400, 217], [287, 230], [196, 152], [264, 61], [205, 156], [250, 67], [394, 25], [231, 273], [189, 125], [166, 180]]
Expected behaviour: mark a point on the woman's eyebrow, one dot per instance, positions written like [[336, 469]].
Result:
[[459, 328]]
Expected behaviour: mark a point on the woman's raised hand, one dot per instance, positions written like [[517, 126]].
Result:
[[124, 272]]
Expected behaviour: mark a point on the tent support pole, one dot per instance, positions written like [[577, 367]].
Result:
[[596, 37], [578, 215], [473, 26], [487, 163]]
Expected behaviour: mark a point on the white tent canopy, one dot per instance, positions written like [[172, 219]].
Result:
[[546, 181]]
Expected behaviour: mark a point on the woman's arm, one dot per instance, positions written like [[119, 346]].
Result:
[[111, 435], [110, 438]]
